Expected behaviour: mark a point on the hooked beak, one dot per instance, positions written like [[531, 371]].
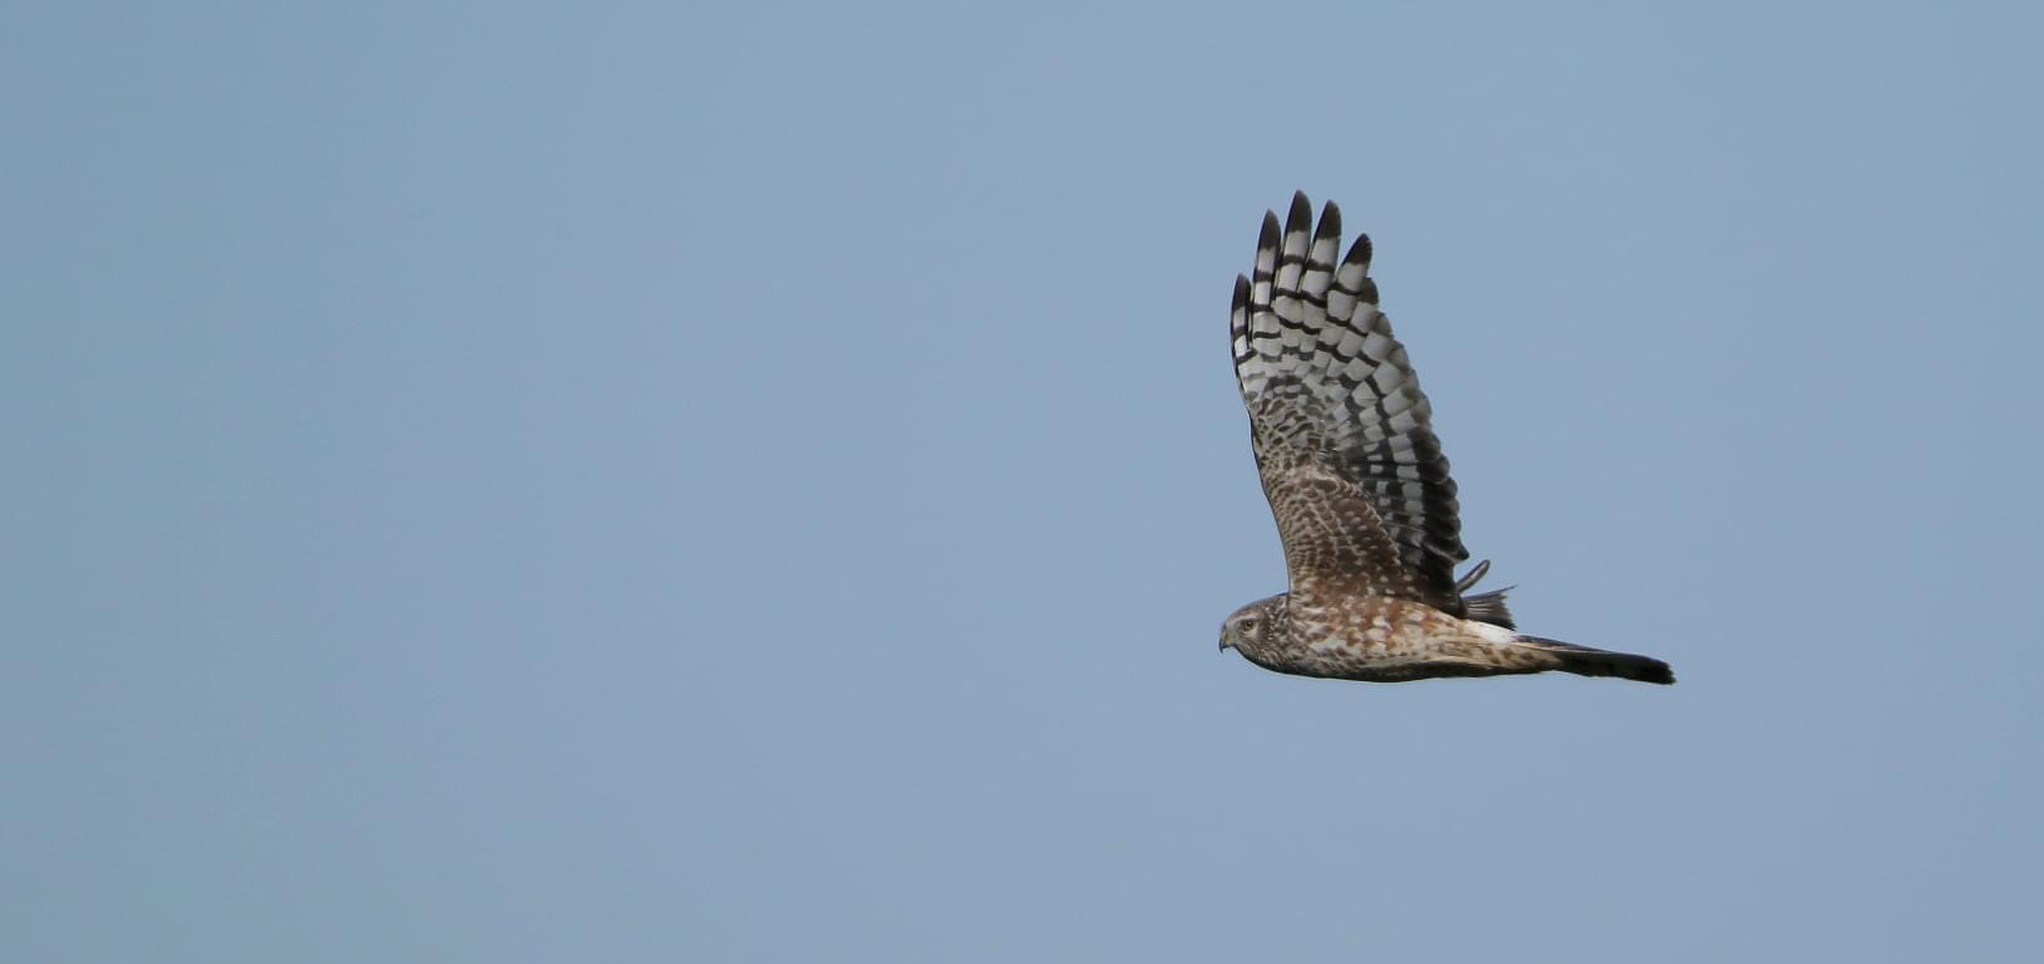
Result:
[[1225, 645]]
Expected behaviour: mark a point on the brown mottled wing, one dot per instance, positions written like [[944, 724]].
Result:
[[1349, 462]]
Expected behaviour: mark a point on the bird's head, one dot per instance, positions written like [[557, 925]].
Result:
[[1248, 629]]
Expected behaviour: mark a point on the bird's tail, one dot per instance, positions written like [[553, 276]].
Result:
[[1484, 607], [1584, 661], [1489, 607]]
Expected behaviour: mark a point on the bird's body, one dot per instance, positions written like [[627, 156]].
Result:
[[1359, 487], [1376, 638]]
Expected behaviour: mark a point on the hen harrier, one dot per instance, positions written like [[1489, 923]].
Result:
[[1360, 489]]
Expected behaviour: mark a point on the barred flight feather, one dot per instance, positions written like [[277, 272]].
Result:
[[1317, 360]]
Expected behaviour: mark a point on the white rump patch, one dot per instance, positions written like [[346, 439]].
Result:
[[1490, 633]]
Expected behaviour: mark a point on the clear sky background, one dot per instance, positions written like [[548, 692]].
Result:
[[731, 482]]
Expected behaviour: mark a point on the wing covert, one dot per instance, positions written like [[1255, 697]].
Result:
[[1341, 429]]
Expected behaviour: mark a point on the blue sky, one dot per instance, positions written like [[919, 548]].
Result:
[[762, 483]]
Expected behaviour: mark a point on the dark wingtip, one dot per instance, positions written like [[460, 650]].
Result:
[[1359, 252], [1301, 213], [1643, 669], [1585, 661], [1649, 670]]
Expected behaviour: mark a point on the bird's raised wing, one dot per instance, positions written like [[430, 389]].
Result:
[[1340, 427]]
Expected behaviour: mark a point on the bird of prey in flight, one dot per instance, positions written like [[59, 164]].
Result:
[[1360, 489]]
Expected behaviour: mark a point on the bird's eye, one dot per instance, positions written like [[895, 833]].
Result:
[[1249, 626]]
